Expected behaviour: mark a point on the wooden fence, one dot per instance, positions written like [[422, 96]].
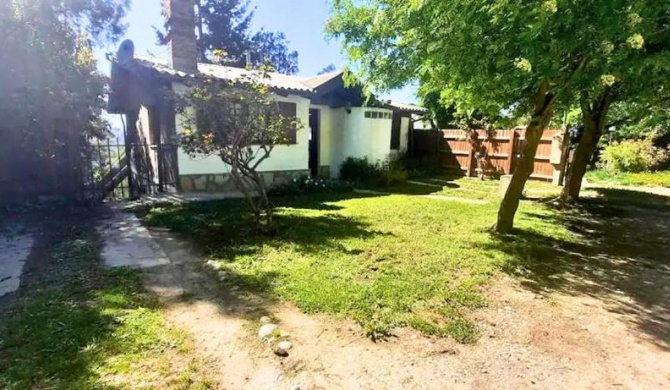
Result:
[[456, 150]]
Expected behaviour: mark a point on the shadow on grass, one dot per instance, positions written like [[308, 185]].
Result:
[[220, 230], [65, 322], [619, 256]]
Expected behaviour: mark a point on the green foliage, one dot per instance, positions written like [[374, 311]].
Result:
[[384, 261], [633, 156], [81, 326], [359, 170], [647, 179], [306, 185], [47, 68], [241, 123], [393, 171], [362, 171], [461, 47]]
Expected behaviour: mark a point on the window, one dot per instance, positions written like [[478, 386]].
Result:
[[378, 115], [290, 111]]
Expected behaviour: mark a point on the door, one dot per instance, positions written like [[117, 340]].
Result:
[[314, 121]]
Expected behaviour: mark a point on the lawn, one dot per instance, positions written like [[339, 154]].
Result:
[[464, 187], [77, 325], [385, 261], [647, 179]]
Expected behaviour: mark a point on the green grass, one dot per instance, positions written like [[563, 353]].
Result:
[[385, 261], [648, 179], [80, 326], [463, 187]]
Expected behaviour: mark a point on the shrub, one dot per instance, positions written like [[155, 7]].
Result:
[[393, 171], [307, 185], [633, 156], [359, 170], [362, 171]]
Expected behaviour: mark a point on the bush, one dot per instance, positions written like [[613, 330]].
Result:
[[307, 185], [359, 170], [393, 171], [633, 156], [362, 171]]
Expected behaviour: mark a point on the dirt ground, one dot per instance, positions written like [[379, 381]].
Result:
[[602, 322]]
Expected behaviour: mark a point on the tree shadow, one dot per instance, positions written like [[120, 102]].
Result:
[[59, 327], [192, 233], [618, 254]]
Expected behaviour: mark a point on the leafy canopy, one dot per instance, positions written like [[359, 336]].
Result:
[[47, 68], [492, 55]]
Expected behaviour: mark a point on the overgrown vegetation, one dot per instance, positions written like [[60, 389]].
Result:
[[361, 171], [80, 326], [541, 56], [633, 156], [240, 123], [306, 185], [385, 261]]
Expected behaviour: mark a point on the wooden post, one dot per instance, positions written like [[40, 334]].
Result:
[[471, 162]]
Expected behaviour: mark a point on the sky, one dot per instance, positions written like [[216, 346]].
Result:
[[302, 21]]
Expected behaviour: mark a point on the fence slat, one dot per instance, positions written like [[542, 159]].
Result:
[[455, 150]]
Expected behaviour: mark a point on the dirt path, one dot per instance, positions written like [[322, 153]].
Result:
[[554, 340]]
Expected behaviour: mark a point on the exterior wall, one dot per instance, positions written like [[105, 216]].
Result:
[[357, 136], [284, 158], [404, 135], [329, 120], [222, 182]]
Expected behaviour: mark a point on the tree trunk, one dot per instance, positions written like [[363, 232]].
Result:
[[594, 124], [539, 121], [524, 169]]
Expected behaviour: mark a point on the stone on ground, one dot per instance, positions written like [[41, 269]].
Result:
[[266, 331]]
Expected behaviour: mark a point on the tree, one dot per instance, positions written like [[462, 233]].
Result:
[[328, 69], [635, 72], [225, 25], [47, 67], [241, 124], [513, 58], [271, 49]]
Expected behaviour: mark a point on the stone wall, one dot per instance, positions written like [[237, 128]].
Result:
[[222, 182]]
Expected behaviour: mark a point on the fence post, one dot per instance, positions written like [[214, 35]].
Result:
[[471, 160], [511, 152]]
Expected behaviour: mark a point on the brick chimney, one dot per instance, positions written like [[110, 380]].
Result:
[[181, 41]]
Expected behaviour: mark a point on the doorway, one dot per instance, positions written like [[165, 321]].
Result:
[[314, 122]]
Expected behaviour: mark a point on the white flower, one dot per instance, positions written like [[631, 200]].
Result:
[[635, 41], [551, 6], [523, 64], [634, 19], [608, 80]]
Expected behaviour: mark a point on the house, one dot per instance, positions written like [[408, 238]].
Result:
[[338, 122]]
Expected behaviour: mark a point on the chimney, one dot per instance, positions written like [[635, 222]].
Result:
[[181, 41]]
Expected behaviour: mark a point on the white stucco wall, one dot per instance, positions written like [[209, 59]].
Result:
[[283, 157], [354, 135]]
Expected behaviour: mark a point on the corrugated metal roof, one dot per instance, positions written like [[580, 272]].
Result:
[[271, 79], [317, 81], [405, 106]]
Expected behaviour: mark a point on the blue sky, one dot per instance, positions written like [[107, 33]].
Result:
[[301, 20]]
